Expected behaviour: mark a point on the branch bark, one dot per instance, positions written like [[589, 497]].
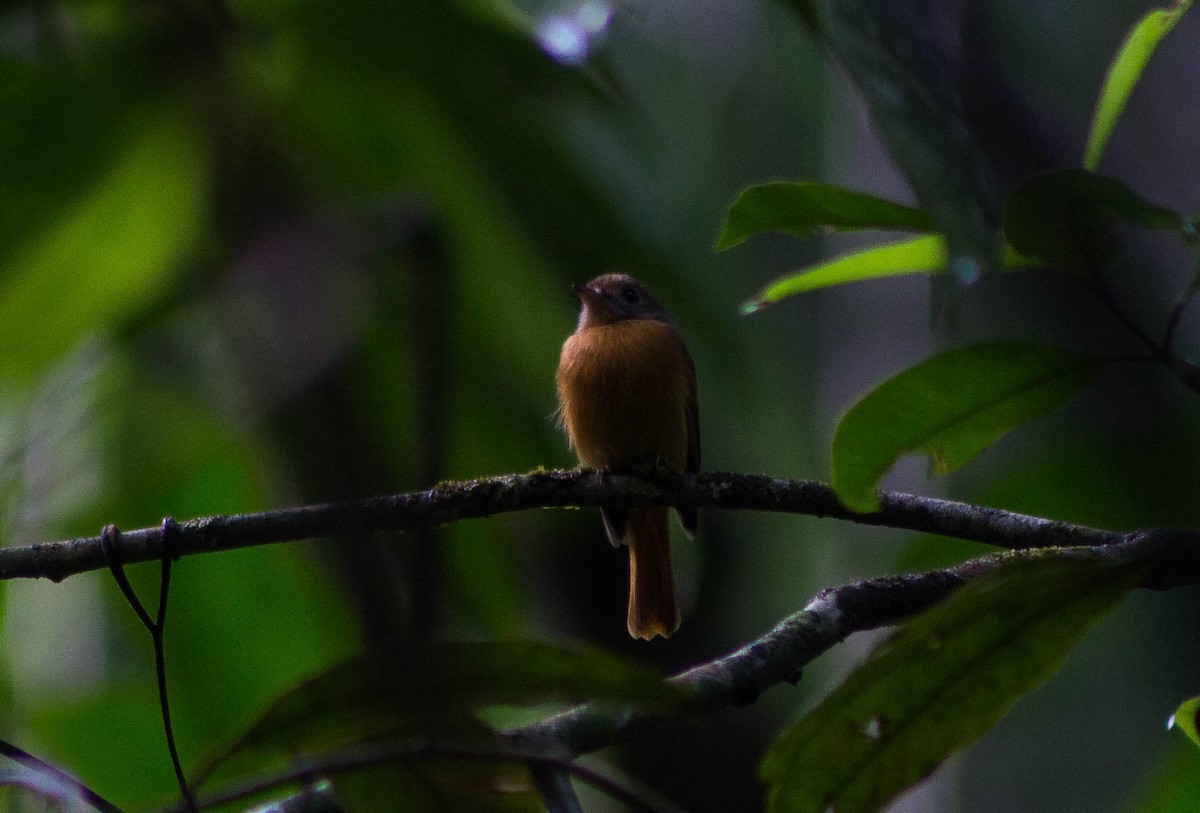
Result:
[[484, 497], [1171, 559]]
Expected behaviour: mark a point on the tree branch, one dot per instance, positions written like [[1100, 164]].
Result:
[[473, 499], [1170, 558]]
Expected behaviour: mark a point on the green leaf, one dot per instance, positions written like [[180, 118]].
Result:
[[438, 687], [939, 683], [802, 207], [914, 106], [1187, 719], [920, 255], [950, 407], [1060, 218], [1124, 72]]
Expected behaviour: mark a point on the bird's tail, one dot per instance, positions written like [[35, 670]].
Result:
[[652, 607]]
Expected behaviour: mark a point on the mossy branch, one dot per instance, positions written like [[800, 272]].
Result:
[[472, 499], [1169, 559]]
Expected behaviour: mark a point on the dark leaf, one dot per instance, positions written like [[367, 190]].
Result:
[[437, 688], [802, 207], [1061, 218], [938, 684]]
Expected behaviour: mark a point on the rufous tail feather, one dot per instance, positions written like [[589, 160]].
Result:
[[652, 607]]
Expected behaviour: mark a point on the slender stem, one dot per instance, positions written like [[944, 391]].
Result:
[[31, 762], [1102, 291], [109, 538], [169, 530]]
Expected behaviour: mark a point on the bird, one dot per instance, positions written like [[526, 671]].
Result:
[[626, 388]]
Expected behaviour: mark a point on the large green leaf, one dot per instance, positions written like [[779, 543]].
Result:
[[920, 255], [1124, 72], [802, 207], [938, 684], [1060, 218], [950, 408]]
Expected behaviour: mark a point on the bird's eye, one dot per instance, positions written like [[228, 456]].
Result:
[[629, 294]]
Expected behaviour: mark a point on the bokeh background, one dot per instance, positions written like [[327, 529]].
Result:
[[259, 253]]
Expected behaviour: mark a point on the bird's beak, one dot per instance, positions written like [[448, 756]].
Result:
[[590, 297]]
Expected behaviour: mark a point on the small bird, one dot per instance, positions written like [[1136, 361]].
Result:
[[627, 396]]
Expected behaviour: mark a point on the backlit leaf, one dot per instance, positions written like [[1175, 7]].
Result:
[[1124, 72], [920, 255]]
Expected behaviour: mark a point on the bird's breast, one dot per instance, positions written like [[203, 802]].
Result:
[[623, 389]]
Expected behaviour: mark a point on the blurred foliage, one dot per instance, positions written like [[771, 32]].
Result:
[[267, 252]]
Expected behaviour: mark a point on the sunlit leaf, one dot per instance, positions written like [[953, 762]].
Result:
[[920, 255], [885, 48], [1124, 72], [801, 207], [938, 684], [1060, 217], [950, 407], [1187, 719], [111, 253]]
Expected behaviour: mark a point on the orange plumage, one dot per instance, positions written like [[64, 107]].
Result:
[[627, 394]]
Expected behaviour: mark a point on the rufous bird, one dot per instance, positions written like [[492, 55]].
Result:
[[627, 397]]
